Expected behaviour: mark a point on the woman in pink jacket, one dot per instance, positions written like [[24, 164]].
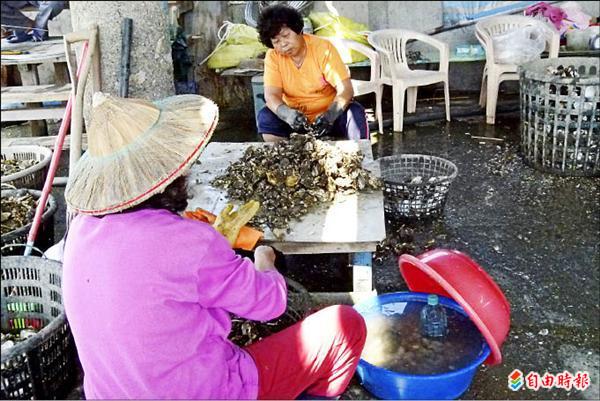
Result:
[[148, 294]]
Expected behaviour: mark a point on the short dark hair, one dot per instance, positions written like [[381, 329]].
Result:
[[174, 198], [273, 18]]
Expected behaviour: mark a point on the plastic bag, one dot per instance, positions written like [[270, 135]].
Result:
[[239, 42], [519, 46], [328, 25], [567, 16]]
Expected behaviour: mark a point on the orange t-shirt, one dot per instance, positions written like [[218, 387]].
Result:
[[310, 88]]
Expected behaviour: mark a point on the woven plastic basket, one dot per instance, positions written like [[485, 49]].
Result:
[[32, 177], [44, 365], [45, 235], [560, 117], [415, 186]]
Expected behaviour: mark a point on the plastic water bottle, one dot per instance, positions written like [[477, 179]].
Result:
[[434, 322]]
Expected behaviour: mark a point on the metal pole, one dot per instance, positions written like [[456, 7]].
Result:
[[126, 33]]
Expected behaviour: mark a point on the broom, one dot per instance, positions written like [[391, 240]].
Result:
[[58, 145]]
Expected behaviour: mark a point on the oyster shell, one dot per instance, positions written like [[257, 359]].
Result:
[[12, 166], [291, 178], [17, 212]]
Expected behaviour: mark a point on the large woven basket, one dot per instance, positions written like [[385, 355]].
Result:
[[560, 117], [44, 365], [415, 186], [45, 235], [32, 177]]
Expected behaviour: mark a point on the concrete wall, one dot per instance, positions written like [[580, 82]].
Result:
[[151, 65], [422, 16]]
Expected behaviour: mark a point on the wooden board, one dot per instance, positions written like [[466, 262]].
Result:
[[36, 93], [35, 113], [351, 223], [46, 141], [39, 52]]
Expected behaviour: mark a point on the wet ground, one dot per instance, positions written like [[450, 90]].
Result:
[[536, 234]]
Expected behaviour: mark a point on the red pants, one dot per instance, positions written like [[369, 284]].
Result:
[[317, 355]]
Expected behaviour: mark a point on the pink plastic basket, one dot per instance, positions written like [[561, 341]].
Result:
[[455, 275]]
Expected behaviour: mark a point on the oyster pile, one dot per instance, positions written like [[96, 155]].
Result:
[[561, 71], [12, 166], [398, 241], [290, 178], [245, 332], [11, 339], [17, 212], [411, 238]]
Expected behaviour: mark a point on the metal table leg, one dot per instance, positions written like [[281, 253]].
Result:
[[362, 272]]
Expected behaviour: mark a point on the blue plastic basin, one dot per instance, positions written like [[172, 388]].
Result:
[[390, 385]]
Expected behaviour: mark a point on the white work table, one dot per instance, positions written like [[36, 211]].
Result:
[[349, 224]]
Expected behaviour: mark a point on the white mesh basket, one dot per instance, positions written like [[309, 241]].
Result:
[[32, 177]]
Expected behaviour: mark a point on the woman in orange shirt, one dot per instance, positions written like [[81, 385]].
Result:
[[307, 85]]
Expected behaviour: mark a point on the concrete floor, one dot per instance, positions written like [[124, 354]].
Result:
[[536, 234]]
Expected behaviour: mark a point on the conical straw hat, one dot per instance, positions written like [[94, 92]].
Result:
[[136, 148]]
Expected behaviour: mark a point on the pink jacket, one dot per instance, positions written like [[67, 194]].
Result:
[[148, 295]]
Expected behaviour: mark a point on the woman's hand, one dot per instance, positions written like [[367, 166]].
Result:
[[264, 258], [294, 118]]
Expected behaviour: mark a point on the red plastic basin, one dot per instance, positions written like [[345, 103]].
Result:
[[455, 275]]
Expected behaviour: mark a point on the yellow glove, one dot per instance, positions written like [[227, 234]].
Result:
[[229, 222]]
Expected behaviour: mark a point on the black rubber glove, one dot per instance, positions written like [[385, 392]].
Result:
[[295, 119], [324, 123]]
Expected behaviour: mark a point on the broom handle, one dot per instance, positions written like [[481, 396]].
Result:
[[58, 145]]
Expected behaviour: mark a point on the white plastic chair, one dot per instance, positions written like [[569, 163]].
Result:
[[391, 45], [494, 73], [362, 87]]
